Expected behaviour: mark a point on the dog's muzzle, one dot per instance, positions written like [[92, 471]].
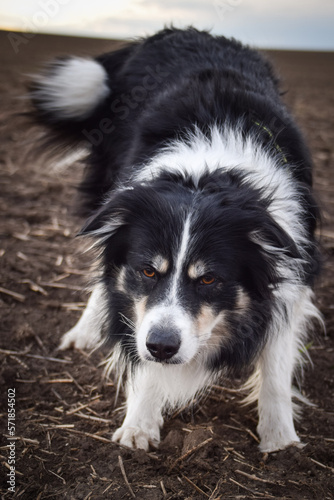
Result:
[[163, 343]]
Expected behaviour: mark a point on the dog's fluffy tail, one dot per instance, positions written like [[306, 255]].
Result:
[[69, 90]]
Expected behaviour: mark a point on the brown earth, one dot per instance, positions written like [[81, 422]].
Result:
[[65, 413]]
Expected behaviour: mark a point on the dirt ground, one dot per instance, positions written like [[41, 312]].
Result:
[[65, 412]]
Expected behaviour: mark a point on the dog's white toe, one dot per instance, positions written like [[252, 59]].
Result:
[[76, 338], [137, 438]]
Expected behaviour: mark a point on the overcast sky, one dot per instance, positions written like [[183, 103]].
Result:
[[294, 24]]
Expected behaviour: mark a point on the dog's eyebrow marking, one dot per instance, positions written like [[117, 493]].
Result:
[[196, 270], [160, 264]]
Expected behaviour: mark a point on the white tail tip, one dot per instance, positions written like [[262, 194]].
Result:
[[71, 88]]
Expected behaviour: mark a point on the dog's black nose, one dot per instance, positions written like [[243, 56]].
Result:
[[163, 344]]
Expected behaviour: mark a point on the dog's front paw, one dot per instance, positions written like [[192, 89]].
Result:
[[136, 437], [271, 446], [275, 440], [77, 338]]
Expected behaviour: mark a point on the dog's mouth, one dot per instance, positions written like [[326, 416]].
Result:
[[171, 361]]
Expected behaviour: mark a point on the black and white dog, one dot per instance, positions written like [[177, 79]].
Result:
[[198, 191]]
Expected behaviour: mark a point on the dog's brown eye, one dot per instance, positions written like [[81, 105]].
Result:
[[149, 273], [207, 280]]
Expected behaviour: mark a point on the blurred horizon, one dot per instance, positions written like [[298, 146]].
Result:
[[307, 25]]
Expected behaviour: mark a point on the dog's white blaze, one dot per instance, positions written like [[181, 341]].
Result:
[[181, 256], [170, 311], [195, 333]]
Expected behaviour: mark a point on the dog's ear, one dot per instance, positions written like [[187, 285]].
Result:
[[123, 208], [117, 212], [274, 241], [269, 256], [104, 223], [108, 227]]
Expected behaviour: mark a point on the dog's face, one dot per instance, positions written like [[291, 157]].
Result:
[[184, 269]]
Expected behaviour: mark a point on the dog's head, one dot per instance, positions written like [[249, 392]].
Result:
[[189, 269]]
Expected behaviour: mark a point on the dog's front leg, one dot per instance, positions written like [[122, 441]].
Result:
[[276, 427], [276, 367], [144, 404], [86, 334]]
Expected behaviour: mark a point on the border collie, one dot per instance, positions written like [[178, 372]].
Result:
[[198, 196]]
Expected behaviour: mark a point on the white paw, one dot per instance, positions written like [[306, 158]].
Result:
[[135, 437], [275, 440], [271, 446], [78, 338], [86, 334]]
